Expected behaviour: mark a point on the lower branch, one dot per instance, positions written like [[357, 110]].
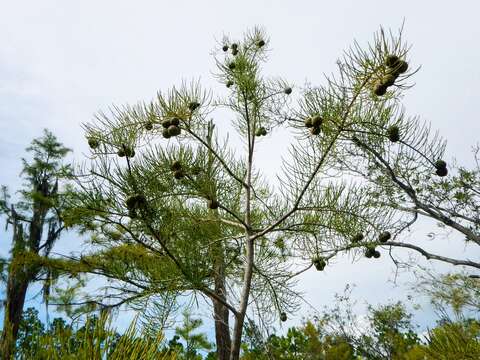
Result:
[[430, 256]]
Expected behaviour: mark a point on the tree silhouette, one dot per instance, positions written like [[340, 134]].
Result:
[[36, 224]]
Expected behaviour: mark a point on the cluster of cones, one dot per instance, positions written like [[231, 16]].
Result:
[[441, 168], [134, 203], [370, 250], [395, 67], [127, 151], [314, 123], [234, 47], [261, 131], [177, 169]]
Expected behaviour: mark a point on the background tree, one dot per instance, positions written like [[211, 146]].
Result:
[[389, 333], [386, 332], [195, 342], [36, 225], [393, 332], [307, 342], [458, 292], [457, 340], [29, 333]]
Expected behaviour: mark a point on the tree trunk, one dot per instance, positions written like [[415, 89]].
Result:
[[250, 257], [221, 313], [222, 329], [16, 292], [19, 276], [240, 318]]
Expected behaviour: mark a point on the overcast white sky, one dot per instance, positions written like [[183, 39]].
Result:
[[62, 61]]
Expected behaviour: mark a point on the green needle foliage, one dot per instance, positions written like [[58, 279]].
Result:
[[94, 340], [454, 341], [174, 210]]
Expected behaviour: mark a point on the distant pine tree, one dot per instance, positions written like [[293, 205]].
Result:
[[36, 225]]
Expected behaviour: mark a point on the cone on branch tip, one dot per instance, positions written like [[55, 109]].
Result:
[[441, 168], [121, 153], [166, 123], [141, 200], [391, 60], [389, 79], [260, 43], [212, 204], [393, 133], [135, 201], [127, 151], [379, 89], [384, 237], [148, 126], [193, 106], [357, 238], [317, 121], [401, 67], [174, 130], [178, 174], [261, 131], [234, 52], [369, 253], [132, 214], [175, 121], [131, 202], [234, 46], [231, 65], [442, 172], [288, 90], [225, 48], [283, 317], [396, 66], [229, 83], [176, 165], [372, 252], [165, 134], [440, 164], [93, 143], [319, 263]]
